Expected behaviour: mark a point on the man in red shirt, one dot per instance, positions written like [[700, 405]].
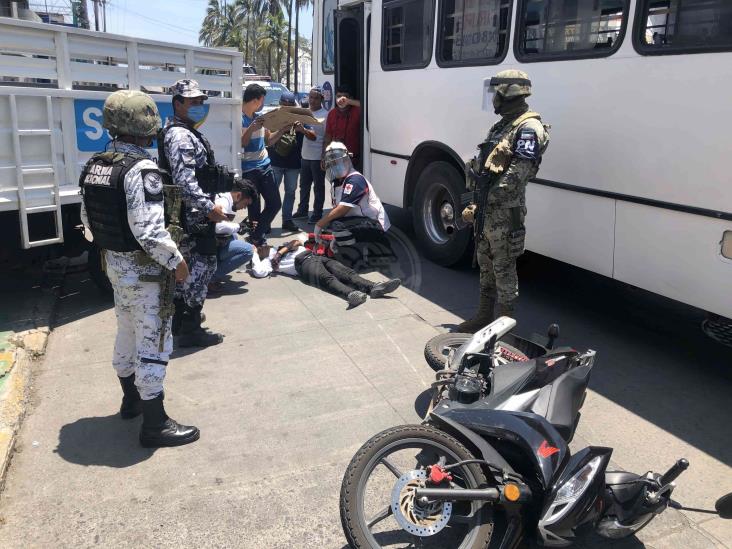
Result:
[[344, 124]]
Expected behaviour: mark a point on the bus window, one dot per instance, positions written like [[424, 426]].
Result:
[[568, 29], [684, 26], [472, 33], [329, 7], [406, 34]]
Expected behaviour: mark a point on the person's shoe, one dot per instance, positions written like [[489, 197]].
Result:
[[299, 215], [383, 288], [214, 288], [159, 431], [482, 318], [505, 309], [355, 298], [315, 218], [131, 401], [290, 227], [191, 332]]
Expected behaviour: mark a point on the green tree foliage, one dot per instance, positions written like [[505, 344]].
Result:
[[260, 29]]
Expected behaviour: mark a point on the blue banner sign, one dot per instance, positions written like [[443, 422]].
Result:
[[90, 135]]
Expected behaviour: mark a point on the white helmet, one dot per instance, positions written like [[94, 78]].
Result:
[[337, 161]]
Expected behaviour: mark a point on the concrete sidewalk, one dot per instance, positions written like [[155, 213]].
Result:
[[298, 385]]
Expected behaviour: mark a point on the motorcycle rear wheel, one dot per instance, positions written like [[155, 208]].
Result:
[[478, 522], [438, 348]]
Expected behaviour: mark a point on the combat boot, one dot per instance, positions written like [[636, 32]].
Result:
[[505, 309], [158, 430], [131, 402], [192, 334], [180, 307], [482, 318]]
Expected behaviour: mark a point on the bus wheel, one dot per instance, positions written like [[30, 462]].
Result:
[[436, 211]]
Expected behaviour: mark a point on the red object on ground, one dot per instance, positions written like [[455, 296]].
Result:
[[318, 248]]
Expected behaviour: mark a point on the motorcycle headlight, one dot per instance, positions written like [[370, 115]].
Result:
[[576, 486]]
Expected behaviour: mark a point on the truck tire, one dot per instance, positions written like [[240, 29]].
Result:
[[436, 208]]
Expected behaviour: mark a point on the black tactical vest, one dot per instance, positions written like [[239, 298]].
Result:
[[102, 188], [201, 173]]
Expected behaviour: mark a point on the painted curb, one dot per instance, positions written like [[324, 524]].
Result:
[[13, 402]]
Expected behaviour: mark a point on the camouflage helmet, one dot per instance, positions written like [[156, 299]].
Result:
[[511, 83], [130, 112]]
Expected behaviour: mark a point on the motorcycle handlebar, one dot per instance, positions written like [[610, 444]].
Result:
[[673, 473]]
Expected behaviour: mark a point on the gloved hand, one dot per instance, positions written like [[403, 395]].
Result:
[[318, 231], [469, 213]]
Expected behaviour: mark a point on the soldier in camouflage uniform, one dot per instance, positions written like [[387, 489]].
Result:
[[123, 206], [184, 153], [509, 158]]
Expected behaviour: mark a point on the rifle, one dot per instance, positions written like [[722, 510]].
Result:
[[166, 279]]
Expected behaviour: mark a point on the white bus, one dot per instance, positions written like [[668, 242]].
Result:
[[635, 184]]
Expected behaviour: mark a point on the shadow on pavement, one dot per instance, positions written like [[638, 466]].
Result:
[[103, 441]]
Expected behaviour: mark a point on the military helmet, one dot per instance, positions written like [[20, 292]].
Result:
[[130, 112], [511, 83]]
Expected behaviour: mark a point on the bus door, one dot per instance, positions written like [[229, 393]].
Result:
[[351, 65]]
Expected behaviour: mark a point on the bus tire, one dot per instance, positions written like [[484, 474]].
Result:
[[435, 209]]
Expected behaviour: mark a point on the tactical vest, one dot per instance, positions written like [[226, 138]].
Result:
[[201, 173], [102, 189]]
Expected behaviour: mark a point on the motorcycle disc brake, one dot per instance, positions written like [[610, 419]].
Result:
[[412, 516]]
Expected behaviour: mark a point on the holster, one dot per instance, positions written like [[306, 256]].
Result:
[[517, 233]]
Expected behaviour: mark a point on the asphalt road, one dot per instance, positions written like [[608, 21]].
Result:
[[301, 382]]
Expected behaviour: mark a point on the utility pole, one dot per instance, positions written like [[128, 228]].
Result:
[[96, 14], [104, 13], [297, 40]]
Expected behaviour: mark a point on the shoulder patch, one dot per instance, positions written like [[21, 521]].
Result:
[[153, 183], [527, 145]]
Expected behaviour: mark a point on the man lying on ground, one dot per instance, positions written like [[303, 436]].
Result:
[[319, 271]]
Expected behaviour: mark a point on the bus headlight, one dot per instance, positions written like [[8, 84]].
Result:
[[727, 244]]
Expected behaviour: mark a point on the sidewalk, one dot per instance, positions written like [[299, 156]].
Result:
[[283, 404]]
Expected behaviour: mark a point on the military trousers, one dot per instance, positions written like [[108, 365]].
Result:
[[137, 307], [498, 247], [202, 267]]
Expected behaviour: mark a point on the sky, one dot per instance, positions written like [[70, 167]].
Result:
[[167, 20]]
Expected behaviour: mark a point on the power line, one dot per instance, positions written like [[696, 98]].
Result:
[[158, 21]]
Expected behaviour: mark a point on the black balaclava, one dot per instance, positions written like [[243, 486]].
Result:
[[509, 108]]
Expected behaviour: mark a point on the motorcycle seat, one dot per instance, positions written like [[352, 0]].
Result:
[[508, 379]]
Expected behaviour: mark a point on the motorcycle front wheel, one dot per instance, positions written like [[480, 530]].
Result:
[[377, 503]]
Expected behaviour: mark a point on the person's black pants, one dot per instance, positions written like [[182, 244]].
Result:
[[264, 181], [354, 231], [311, 175], [330, 275]]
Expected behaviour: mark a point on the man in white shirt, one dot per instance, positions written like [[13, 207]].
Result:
[[311, 172], [231, 252], [319, 271]]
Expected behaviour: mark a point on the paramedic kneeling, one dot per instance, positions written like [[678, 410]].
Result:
[[358, 216]]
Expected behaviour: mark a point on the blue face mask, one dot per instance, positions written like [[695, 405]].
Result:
[[197, 114]]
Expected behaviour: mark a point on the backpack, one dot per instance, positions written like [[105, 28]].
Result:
[[286, 143]]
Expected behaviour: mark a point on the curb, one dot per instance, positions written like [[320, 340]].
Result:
[[17, 358]]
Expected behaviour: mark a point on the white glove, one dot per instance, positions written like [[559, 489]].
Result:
[[317, 231]]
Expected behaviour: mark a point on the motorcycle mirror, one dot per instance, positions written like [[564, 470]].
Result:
[[552, 334], [724, 506]]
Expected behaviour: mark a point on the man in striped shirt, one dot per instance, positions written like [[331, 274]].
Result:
[[255, 164]]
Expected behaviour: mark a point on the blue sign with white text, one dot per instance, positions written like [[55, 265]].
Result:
[[90, 135]]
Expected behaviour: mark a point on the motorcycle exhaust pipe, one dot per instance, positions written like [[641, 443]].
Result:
[[458, 494]]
